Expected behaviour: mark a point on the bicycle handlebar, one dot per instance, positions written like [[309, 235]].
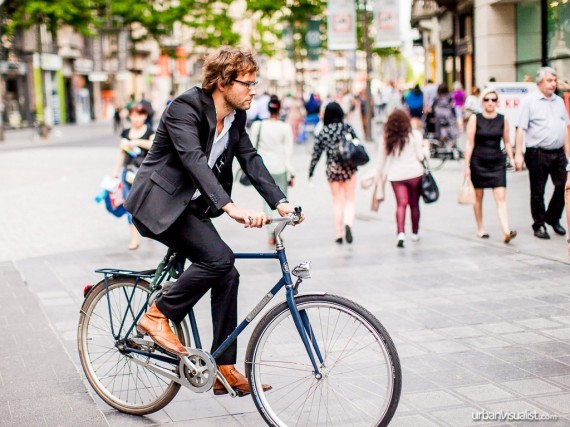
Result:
[[283, 222], [291, 218]]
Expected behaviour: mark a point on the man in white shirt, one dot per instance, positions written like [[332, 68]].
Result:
[[543, 120]]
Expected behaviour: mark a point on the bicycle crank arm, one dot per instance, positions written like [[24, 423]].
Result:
[[227, 385]]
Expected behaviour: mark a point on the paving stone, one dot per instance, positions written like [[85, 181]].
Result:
[[502, 372], [539, 323], [552, 349], [461, 332], [501, 328], [526, 338], [531, 387], [444, 346], [454, 377], [412, 421], [457, 416], [205, 408], [484, 393], [561, 334], [484, 342], [544, 367], [514, 354], [434, 399]]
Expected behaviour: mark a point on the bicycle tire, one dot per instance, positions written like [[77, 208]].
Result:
[[370, 377], [146, 392]]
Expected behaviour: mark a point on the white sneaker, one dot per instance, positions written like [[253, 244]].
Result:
[[401, 239], [415, 237]]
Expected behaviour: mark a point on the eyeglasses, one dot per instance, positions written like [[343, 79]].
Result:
[[250, 85], [490, 99]]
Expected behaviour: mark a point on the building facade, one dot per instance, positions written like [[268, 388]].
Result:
[[474, 41]]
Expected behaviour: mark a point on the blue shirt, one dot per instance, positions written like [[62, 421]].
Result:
[[544, 121]]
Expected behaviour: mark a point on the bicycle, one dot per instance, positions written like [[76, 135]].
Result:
[[441, 151], [329, 361]]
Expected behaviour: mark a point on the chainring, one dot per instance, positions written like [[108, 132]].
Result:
[[202, 379]]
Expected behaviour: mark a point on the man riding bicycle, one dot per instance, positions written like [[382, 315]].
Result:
[[185, 180]]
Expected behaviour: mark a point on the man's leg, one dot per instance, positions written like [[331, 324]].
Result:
[[212, 268], [557, 170], [537, 176]]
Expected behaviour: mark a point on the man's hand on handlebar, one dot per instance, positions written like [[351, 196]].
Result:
[[285, 209], [248, 218]]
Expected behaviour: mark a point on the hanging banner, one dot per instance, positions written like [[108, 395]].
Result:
[[313, 39], [341, 25], [387, 23]]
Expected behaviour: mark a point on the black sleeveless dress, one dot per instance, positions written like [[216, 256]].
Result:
[[488, 163]]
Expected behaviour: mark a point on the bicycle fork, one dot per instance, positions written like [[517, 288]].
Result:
[[303, 325]]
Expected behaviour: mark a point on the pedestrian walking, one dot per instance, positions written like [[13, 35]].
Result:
[[458, 96], [185, 181], [543, 121], [274, 140], [351, 106], [414, 101], [567, 204], [485, 163], [444, 114], [295, 115], [340, 175], [135, 143], [404, 150], [149, 110], [472, 104]]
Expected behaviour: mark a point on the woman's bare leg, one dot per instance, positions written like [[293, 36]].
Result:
[[478, 209], [338, 207], [500, 194]]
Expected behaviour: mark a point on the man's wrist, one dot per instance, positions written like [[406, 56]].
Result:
[[283, 200]]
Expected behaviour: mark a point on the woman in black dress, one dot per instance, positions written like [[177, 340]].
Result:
[[341, 176], [485, 162]]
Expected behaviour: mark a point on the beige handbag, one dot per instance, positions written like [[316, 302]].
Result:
[[378, 193], [466, 194]]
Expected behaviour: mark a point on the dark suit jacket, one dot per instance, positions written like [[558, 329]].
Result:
[[177, 164]]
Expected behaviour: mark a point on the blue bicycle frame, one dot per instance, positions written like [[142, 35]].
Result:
[[171, 266]]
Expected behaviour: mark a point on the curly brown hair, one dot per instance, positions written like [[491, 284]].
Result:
[[396, 131], [224, 65]]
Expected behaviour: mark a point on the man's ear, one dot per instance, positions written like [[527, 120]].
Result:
[[220, 87]]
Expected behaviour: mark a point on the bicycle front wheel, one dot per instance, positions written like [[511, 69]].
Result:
[[115, 377], [361, 376]]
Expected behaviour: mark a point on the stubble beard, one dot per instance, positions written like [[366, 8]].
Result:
[[235, 104]]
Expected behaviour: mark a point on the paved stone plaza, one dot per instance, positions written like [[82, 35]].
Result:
[[481, 327]]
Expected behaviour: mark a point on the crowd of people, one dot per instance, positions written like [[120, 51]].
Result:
[[276, 125]]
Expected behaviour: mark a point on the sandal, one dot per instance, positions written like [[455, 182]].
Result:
[[509, 236]]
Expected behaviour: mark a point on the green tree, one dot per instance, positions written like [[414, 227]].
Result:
[[291, 15]]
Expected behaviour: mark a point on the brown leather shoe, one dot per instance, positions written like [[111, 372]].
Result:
[[155, 324], [236, 380]]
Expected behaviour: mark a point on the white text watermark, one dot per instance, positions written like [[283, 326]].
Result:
[[512, 416]]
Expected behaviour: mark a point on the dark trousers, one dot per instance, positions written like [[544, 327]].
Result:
[[194, 236], [541, 164]]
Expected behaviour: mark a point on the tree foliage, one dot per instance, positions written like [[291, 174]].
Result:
[[294, 14], [78, 14], [210, 21]]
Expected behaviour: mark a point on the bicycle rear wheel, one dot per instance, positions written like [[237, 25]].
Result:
[[114, 376], [361, 380]]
